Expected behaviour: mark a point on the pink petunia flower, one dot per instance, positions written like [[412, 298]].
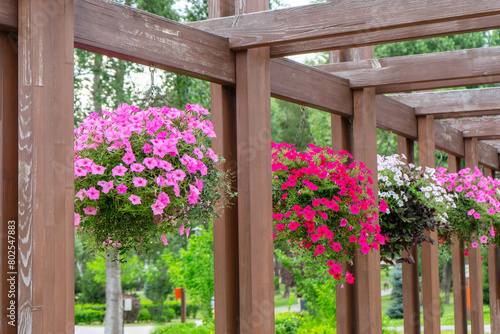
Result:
[[137, 168], [293, 226], [354, 209], [164, 199], [122, 189], [483, 239], [320, 249], [157, 207], [81, 194], [128, 158], [134, 199], [119, 170], [343, 222], [139, 182], [474, 244], [477, 215], [90, 210], [98, 170], [349, 278], [93, 193], [164, 239], [150, 163]]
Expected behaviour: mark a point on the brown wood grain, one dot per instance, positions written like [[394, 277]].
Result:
[[387, 36], [8, 180], [322, 20], [298, 83], [494, 278], [8, 15], [396, 117], [120, 31], [45, 148], [458, 268], [411, 299], [430, 261], [482, 128], [451, 65], [475, 268], [367, 298], [455, 103], [488, 156], [448, 138]]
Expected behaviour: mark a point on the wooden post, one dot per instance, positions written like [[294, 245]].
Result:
[[458, 267], [183, 306], [8, 185], [342, 139], [45, 148], [253, 114], [411, 298], [226, 280], [494, 278], [475, 270], [430, 261], [367, 298]]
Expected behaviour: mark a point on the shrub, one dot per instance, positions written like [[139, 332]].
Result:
[[87, 314], [287, 323], [186, 328], [144, 315]]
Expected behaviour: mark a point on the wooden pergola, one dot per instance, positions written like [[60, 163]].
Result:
[[239, 51]]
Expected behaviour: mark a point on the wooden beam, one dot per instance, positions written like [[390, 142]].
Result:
[[396, 117], [8, 186], [123, 32], [46, 176], [448, 139], [367, 299], [329, 19], [301, 84], [450, 65], [484, 128], [454, 103], [430, 261], [488, 156], [475, 270], [388, 36], [8, 15], [458, 268], [411, 299]]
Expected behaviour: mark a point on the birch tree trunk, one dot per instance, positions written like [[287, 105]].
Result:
[[114, 306]]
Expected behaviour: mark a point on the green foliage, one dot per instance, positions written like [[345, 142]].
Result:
[[395, 309], [285, 122], [89, 313], [91, 291], [287, 323], [144, 315], [385, 325], [131, 272], [194, 270], [186, 328], [158, 285]]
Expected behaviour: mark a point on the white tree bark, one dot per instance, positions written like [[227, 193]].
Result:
[[114, 304]]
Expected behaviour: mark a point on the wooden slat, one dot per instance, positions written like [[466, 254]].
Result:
[[8, 183], [112, 29], [450, 65], [331, 19], [480, 128], [475, 268], [388, 36], [430, 261], [411, 299], [45, 148], [366, 267], [454, 103], [8, 15], [396, 117], [302, 84]]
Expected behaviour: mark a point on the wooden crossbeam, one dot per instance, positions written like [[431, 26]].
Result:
[[454, 103], [388, 36], [123, 32], [396, 117], [484, 128], [342, 18], [294, 82], [451, 65], [8, 14]]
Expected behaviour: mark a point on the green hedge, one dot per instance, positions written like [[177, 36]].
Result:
[[89, 313], [186, 328]]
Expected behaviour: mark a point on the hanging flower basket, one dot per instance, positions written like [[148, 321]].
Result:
[[411, 202], [475, 218], [139, 174], [323, 207]]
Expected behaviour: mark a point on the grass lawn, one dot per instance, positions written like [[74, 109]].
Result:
[[279, 301]]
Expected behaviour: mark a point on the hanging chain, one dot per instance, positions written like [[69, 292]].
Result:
[[303, 123], [389, 146], [150, 98]]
